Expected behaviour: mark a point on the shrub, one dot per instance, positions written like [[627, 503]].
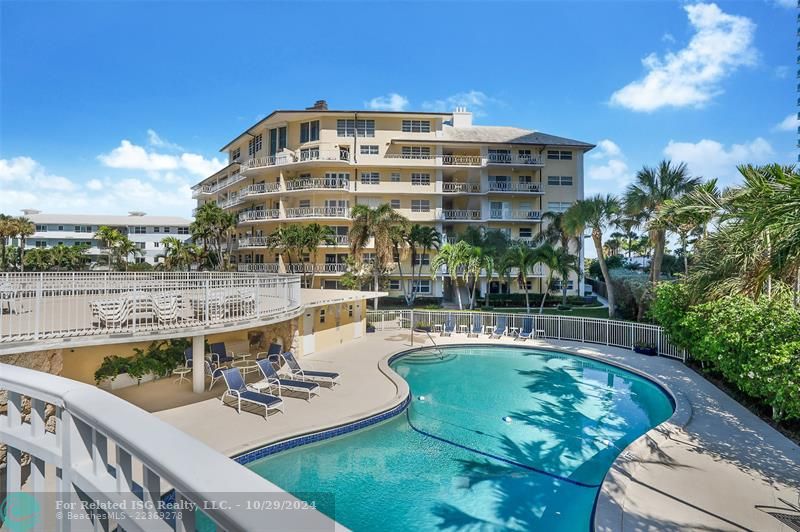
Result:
[[160, 358]]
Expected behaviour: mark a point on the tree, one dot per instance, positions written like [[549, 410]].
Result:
[[493, 243], [109, 237], [597, 212], [522, 258], [6, 231], [652, 188], [212, 227], [377, 223], [454, 257], [22, 228], [125, 247], [179, 255], [558, 261], [427, 238], [478, 260], [313, 236], [289, 241]]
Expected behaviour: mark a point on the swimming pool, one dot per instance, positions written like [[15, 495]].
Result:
[[495, 437]]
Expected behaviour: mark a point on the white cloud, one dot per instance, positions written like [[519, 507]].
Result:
[[475, 101], [155, 140], [711, 159], [607, 169], [28, 184], [692, 76], [781, 71], [132, 157], [786, 3], [790, 123], [390, 102]]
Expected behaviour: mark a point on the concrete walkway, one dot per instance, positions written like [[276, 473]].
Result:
[[708, 468]]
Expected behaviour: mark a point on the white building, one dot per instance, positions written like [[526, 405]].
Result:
[[75, 229]]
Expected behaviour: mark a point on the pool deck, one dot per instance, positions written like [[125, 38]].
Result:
[[707, 468]]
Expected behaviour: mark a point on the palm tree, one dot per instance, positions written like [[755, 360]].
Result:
[[556, 260], [23, 228], [290, 242], [6, 232], [212, 226], [427, 238], [375, 223], [454, 257], [478, 259], [648, 193], [178, 255], [315, 235], [597, 212], [522, 258], [109, 237], [125, 247]]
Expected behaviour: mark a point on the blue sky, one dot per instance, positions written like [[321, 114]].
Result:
[[110, 107]]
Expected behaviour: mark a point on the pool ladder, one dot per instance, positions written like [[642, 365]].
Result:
[[436, 348]]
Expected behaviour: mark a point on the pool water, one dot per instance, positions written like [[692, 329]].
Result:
[[494, 438]]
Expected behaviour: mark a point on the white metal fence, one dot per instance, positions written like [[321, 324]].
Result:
[[588, 330], [36, 306], [104, 451]]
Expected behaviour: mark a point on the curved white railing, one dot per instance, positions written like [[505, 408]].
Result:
[[258, 267], [468, 188], [38, 306], [262, 162], [326, 183], [318, 212], [259, 214], [462, 160], [461, 214], [118, 457], [259, 188], [498, 158], [501, 186], [615, 333], [307, 267], [254, 242]]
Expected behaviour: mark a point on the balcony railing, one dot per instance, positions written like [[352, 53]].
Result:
[[260, 214], [259, 188], [300, 156], [461, 214], [263, 162], [411, 156], [462, 160], [465, 188], [202, 189], [254, 242], [258, 267], [503, 158], [307, 267], [323, 155], [504, 186], [514, 214], [318, 212], [110, 454], [77, 304], [317, 183]]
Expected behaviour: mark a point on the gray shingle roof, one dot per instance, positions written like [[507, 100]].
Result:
[[507, 135], [107, 219]]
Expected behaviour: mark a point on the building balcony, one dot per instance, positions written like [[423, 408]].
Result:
[[308, 267], [253, 242], [461, 188], [201, 190], [259, 189], [454, 159], [294, 158], [258, 267], [317, 183], [515, 214], [501, 186], [496, 159], [318, 212], [259, 215], [461, 214]]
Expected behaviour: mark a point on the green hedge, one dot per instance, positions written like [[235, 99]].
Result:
[[753, 345], [518, 300], [160, 358], [394, 301]]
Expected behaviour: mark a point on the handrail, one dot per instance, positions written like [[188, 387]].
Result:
[[89, 421]]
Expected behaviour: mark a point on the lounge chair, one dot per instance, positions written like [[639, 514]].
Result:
[[449, 326], [477, 327], [306, 374], [527, 329], [218, 353], [239, 391], [215, 373], [271, 378], [499, 328], [273, 351]]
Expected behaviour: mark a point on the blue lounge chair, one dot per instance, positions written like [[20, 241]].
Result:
[[239, 391], [477, 327], [214, 372], [271, 378], [297, 372], [499, 328], [527, 329], [449, 326], [187, 357], [218, 353], [272, 353]]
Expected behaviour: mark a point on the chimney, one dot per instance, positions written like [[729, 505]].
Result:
[[319, 105], [28, 212], [136, 213], [462, 117]]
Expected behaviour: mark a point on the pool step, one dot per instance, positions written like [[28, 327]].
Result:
[[429, 357]]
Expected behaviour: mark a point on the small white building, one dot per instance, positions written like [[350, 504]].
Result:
[[75, 229]]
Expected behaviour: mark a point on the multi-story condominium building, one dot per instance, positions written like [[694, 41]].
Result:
[[315, 164], [76, 229]]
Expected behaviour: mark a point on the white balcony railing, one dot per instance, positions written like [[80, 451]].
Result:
[[324, 183], [464, 188], [202, 189], [259, 214], [253, 242], [461, 214], [318, 212], [411, 156], [263, 162], [514, 214], [502, 158], [112, 455], [307, 267], [503, 186], [54, 305], [258, 267], [462, 160], [323, 155], [259, 188]]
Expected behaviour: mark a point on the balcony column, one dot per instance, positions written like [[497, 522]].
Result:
[[198, 363]]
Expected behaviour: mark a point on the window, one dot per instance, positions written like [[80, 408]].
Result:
[[369, 149], [525, 232], [557, 284], [322, 315], [394, 284], [41, 228], [422, 258], [183, 230], [156, 244], [40, 244], [423, 286], [558, 206], [420, 205], [370, 178], [368, 258], [83, 228], [559, 155], [416, 152], [281, 138], [359, 128], [563, 180], [524, 154], [394, 204], [350, 311], [395, 177], [138, 230], [166, 230], [254, 145], [60, 227], [304, 204], [309, 131], [419, 179], [499, 155], [156, 229], [235, 154], [330, 284], [139, 245], [416, 126]]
